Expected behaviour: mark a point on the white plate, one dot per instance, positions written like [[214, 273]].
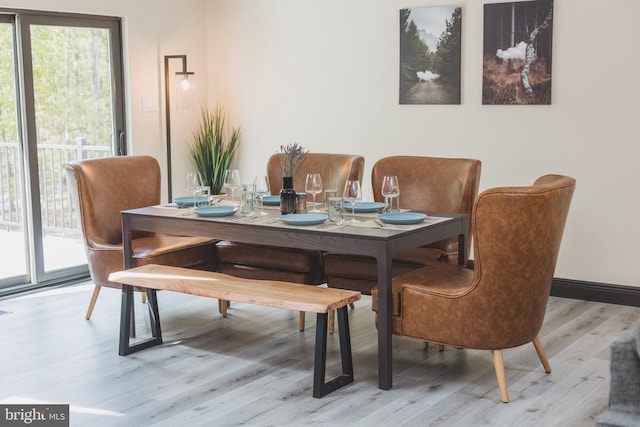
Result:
[[213, 211], [402, 217], [303, 219]]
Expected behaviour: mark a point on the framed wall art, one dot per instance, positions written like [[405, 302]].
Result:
[[430, 46], [517, 53]]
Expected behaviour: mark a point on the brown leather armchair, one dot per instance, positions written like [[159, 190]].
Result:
[[101, 189], [427, 184], [501, 303], [276, 263]]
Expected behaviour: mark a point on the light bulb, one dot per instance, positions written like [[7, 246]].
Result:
[[185, 85]]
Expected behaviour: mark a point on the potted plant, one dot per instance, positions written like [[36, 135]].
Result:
[[213, 148]]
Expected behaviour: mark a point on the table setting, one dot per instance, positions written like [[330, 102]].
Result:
[[335, 212], [365, 214]]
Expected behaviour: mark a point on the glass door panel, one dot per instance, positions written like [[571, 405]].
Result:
[[61, 99], [74, 120], [13, 247]]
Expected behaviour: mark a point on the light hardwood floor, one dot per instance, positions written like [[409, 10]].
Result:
[[254, 368]]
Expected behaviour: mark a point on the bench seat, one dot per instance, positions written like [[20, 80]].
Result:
[[269, 293]]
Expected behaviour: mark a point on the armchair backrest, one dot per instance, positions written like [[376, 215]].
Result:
[[517, 235], [431, 184], [101, 188], [334, 169]]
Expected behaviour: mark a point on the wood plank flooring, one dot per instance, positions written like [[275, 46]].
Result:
[[255, 369]]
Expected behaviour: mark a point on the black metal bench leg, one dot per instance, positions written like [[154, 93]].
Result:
[[345, 343], [125, 347], [320, 387]]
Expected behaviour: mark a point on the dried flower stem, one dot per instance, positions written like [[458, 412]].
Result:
[[293, 153]]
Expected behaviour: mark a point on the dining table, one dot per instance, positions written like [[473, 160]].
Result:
[[368, 237]]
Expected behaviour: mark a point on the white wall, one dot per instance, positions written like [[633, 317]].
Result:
[[325, 74]]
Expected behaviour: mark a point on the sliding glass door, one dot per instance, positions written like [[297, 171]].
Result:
[[63, 102]]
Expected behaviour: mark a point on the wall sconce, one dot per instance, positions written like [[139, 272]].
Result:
[[185, 95]]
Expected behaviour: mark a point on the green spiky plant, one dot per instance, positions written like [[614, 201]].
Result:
[[213, 148]]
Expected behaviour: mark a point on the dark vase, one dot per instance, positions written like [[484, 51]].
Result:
[[287, 196]]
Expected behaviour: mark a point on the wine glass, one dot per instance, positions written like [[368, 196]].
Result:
[[352, 193], [193, 185], [261, 188], [313, 186], [391, 190], [232, 181]]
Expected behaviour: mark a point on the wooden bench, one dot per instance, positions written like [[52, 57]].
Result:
[[268, 293]]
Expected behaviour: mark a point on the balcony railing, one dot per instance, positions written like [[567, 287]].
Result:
[[55, 199]]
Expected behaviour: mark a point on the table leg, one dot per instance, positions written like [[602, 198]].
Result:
[[385, 356], [462, 249]]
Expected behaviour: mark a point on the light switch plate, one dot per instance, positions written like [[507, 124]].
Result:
[[149, 104]]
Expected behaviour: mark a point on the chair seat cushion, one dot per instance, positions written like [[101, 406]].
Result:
[[271, 257], [438, 279], [359, 273], [167, 245], [262, 273], [179, 251], [362, 267]]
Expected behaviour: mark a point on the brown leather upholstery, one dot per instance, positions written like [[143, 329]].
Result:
[[334, 169], [273, 263], [101, 189], [426, 184], [501, 303]]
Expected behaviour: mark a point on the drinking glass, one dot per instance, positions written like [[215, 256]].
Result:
[[334, 210], [246, 202], [313, 186], [193, 185], [352, 193], [261, 188], [391, 190], [232, 181], [329, 193]]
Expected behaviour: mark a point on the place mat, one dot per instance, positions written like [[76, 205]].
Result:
[[365, 220], [372, 223]]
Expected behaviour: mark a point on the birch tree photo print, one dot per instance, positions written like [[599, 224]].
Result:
[[430, 55], [517, 53]]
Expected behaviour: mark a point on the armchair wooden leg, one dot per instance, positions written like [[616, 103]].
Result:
[[498, 364], [425, 346], [144, 297], [301, 321], [92, 302], [541, 354], [222, 307]]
